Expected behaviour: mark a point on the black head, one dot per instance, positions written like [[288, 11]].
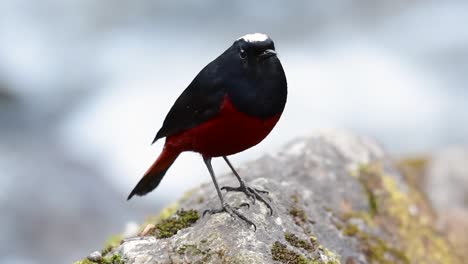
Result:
[[248, 57], [255, 47], [249, 53], [252, 74]]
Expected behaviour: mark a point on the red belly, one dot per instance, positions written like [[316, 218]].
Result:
[[228, 133]]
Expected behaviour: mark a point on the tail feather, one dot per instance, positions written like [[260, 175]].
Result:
[[155, 173]]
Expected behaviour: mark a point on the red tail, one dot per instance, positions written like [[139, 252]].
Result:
[[155, 173]]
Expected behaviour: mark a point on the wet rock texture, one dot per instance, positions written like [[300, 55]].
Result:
[[337, 198]]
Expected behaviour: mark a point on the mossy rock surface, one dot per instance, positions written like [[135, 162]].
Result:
[[337, 198]]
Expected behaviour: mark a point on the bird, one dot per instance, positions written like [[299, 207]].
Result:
[[231, 105]]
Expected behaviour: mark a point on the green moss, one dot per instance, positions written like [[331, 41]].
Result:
[[379, 251], [297, 242], [337, 224], [350, 230], [168, 211], [331, 258], [369, 184], [111, 243], [205, 255], [313, 240], [421, 242], [171, 226], [403, 234], [414, 170], [114, 259], [281, 253], [298, 214], [84, 261], [376, 249], [189, 248]]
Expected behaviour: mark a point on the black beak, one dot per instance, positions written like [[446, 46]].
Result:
[[267, 54]]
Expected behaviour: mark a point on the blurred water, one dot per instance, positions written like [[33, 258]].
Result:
[[89, 84]]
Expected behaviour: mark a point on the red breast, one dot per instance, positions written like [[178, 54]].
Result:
[[229, 132]]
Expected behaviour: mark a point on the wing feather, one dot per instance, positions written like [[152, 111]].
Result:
[[199, 102]]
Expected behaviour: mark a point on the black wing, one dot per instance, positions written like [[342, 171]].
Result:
[[200, 101]]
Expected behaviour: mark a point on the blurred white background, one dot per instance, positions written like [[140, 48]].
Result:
[[85, 85]]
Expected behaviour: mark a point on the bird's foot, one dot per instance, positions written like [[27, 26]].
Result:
[[232, 211], [252, 193]]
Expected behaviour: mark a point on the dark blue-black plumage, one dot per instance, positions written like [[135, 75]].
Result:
[[248, 72]]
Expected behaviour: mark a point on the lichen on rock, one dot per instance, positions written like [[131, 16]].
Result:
[[281, 253], [169, 227], [299, 243], [399, 227]]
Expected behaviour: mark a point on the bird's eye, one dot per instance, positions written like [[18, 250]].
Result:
[[242, 54]]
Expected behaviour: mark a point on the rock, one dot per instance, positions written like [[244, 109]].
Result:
[[455, 224], [446, 184], [447, 179], [95, 256], [337, 198]]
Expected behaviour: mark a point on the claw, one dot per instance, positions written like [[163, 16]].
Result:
[[232, 212], [247, 191], [262, 191], [251, 193], [242, 205], [205, 212]]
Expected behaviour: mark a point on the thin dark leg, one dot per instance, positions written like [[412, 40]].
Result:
[[248, 191], [210, 169], [224, 206]]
